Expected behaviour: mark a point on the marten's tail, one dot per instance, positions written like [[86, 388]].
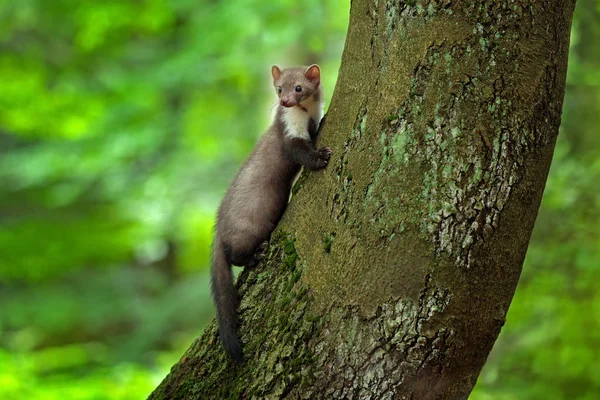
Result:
[[225, 298]]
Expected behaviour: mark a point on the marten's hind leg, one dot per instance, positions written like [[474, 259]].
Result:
[[258, 255], [248, 256]]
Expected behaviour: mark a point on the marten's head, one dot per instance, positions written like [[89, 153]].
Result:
[[296, 86]]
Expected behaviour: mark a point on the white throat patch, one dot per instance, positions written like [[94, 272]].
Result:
[[296, 119]]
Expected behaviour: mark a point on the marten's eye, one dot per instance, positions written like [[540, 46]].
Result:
[[279, 89], [298, 89]]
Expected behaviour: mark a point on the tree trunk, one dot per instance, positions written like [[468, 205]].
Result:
[[392, 271]]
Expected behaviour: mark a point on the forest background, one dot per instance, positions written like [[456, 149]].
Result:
[[121, 125]]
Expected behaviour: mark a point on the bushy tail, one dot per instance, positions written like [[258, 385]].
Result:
[[225, 298]]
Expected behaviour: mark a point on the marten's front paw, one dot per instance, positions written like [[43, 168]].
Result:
[[325, 153], [324, 156]]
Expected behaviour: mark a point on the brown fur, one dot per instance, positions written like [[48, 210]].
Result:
[[258, 195]]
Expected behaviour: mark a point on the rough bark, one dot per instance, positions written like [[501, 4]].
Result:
[[392, 271]]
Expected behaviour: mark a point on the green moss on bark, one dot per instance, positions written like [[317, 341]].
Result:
[[275, 326], [443, 125]]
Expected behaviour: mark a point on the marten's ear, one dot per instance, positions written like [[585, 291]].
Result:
[[276, 72], [313, 73]]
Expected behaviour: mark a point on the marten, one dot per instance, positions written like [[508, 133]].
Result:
[[259, 194]]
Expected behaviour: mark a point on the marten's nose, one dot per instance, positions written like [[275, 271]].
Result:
[[284, 101]]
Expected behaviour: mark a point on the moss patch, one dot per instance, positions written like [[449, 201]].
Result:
[[328, 239]]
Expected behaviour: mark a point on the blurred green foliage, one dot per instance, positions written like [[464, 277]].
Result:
[[122, 122]]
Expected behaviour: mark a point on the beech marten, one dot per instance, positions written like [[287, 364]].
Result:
[[259, 194]]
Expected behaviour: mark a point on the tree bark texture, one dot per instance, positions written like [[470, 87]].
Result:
[[392, 271]]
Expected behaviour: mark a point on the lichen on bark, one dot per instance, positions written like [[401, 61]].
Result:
[[277, 326], [392, 271]]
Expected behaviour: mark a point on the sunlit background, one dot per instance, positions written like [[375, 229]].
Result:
[[121, 124]]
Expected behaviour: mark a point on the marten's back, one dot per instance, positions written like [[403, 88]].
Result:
[[258, 196]]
